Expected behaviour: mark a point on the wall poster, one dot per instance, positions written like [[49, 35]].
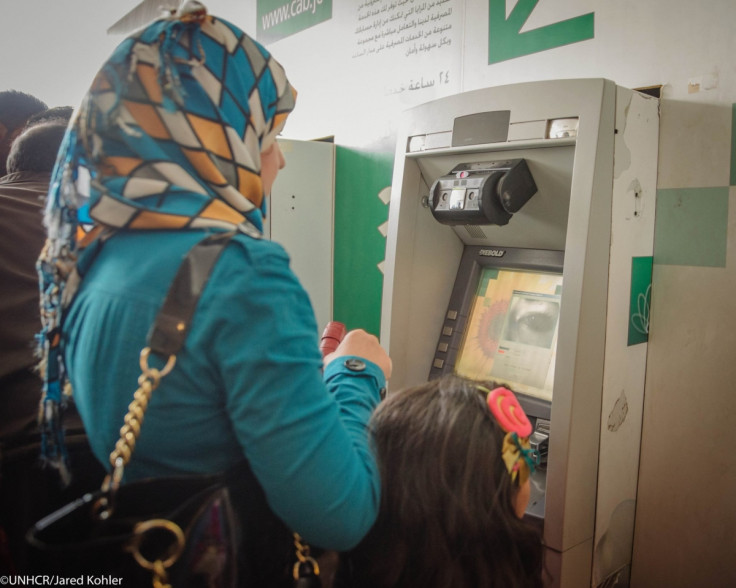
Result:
[[277, 19], [412, 47]]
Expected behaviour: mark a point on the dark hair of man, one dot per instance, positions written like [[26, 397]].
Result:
[[447, 514], [35, 149], [62, 113], [16, 107]]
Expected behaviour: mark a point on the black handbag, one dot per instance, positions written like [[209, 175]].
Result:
[[183, 531], [180, 532]]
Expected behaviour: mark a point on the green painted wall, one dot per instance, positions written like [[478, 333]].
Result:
[[359, 245], [733, 144], [691, 227]]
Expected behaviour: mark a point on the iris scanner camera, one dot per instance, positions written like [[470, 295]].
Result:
[[484, 193]]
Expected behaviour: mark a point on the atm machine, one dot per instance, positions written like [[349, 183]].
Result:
[[519, 249]]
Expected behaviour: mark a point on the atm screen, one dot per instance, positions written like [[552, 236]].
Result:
[[511, 334], [503, 319]]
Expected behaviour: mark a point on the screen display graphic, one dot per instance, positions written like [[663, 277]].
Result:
[[512, 330]]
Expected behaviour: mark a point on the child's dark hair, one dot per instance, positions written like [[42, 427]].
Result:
[[447, 514]]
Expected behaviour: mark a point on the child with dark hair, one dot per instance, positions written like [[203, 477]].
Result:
[[455, 461]]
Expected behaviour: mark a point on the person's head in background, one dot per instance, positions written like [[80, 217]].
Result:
[[15, 109], [57, 113], [36, 148], [450, 508]]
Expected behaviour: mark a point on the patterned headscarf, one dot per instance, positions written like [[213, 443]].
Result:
[[169, 136]]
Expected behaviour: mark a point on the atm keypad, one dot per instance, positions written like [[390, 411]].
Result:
[[454, 324]]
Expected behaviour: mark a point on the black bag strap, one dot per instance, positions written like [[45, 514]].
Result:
[[166, 337], [170, 328]]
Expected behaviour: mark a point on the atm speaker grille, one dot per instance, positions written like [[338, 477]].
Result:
[[475, 232]]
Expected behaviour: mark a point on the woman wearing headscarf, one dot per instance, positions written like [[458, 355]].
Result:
[[176, 139]]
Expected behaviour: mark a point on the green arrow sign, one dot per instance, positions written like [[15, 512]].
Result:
[[505, 41]]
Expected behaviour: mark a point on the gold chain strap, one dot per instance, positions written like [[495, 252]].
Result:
[[158, 567], [303, 557], [148, 381]]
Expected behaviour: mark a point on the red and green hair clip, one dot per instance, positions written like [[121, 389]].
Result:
[[517, 454]]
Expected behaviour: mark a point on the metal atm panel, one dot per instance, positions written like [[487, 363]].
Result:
[[569, 132]]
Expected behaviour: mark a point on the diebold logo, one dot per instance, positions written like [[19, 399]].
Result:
[[492, 252]]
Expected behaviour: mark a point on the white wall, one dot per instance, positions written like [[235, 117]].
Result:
[[339, 93], [53, 49]]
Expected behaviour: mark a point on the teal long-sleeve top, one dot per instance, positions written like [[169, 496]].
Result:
[[248, 381]]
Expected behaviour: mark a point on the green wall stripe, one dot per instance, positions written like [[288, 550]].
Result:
[[691, 227], [733, 144], [359, 246]]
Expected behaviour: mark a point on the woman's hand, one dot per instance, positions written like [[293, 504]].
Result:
[[362, 344]]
